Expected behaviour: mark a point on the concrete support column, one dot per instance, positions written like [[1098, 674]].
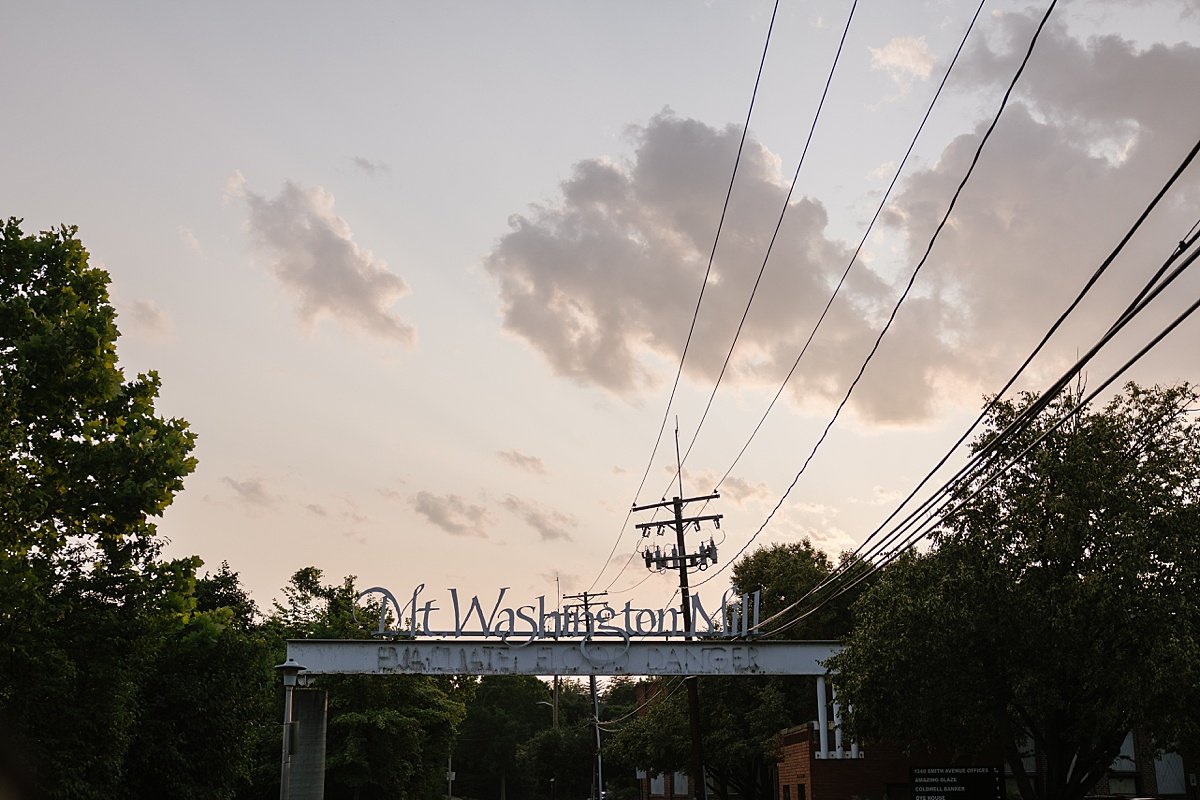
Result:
[[822, 718], [308, 762]]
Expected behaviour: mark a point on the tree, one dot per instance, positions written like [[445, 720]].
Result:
[[87, 464], [1058, 609], [504, 714], [741, 717], [387, 736], [564, 754], [206, 700]]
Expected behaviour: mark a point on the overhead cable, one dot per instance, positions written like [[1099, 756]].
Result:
[[700, 298], [912, 279]]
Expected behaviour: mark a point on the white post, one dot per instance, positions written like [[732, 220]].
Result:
[[284, 768], [837, 726], [822, 718], [853, 744], [289, 670]]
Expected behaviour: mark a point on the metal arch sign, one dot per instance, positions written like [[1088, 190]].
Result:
[[460, 617], [460, 635], [583, 657]]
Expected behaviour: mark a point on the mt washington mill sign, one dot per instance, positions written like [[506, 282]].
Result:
[[456, 617], [452, 633]]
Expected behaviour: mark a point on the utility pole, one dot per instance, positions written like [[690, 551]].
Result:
[[680, 559], [586, 598]]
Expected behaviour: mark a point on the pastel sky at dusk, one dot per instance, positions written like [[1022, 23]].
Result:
[[419, 275]]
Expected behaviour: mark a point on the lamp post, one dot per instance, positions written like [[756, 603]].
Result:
[[289, 670], [553, 711]]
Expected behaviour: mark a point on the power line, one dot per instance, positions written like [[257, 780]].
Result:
[[861, 243], [1189, 238], [1018, 426], [703, 284], [912, 279], [775, 235], [845, 273], [929, 527]]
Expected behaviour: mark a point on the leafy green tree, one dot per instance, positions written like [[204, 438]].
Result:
[[619, 701], [1058, 609], [741, 717], [387, 736], [505, 713], [86, 466], [206, 700], [564, 754]]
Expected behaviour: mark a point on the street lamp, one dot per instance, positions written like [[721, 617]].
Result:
[[289, 669], [553, 710]]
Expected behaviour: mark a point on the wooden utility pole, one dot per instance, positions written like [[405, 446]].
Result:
[[586, 598]]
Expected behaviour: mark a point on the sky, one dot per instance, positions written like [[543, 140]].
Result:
[[419, 276]]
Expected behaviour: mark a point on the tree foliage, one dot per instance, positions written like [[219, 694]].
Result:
[[387, 737], [86, 465], [1058, 609], [741, 717]]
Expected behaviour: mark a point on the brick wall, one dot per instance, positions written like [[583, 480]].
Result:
[[881, 773]]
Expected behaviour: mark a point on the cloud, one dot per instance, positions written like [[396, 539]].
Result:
[[148, 318], [314, 508], [190, 240], [369, 167], [904, 58], [594, 280], [251, 492], [1070, 167], [548, 523], [521, 461], [312, 253], [452, 514], [740, 490]]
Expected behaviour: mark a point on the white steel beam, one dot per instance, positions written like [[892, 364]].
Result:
[[548, 657]]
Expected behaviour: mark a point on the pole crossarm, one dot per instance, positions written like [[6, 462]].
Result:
[[683, 501], [670, 524], [567, 657]]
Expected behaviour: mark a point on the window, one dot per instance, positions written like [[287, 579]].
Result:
[[787, 792]]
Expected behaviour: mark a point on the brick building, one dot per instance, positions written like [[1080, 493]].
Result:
[[815, 764]]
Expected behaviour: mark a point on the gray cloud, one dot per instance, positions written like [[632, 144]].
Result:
[[313, 255], [251, 492], [549, 524], [516, 458], [314, 508], [369, 167], [452, 514], [1098, 131], [148, 318], [740, 490], [592, 281]]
